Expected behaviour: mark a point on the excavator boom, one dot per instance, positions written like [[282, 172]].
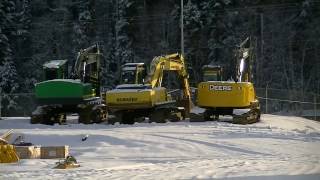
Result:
[[172, 62]]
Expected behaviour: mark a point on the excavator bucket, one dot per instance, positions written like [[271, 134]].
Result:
[[8, 154]]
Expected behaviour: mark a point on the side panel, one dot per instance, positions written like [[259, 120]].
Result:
[[134, 99], [160, 95], [225, 94], [129, 99], [8, 154], [62, 89]]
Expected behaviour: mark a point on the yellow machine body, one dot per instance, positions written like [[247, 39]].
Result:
[[135, 98], [8, 154], [214, 94]]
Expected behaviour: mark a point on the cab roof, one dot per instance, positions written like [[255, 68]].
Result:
[[54, 64]]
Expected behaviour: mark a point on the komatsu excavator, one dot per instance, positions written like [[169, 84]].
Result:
[[76, 92], [236, 98], [148, 98]]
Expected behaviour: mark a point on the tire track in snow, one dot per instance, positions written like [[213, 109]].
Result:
[[217, 146]]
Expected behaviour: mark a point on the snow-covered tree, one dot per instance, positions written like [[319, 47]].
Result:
[[121, 44], [8, 74], [84, 27], [24, 39], [124, 51], [193, 28]]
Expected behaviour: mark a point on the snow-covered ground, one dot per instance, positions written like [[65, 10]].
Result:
[[278, 147]]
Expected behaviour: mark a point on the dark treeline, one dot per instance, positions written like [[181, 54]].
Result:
[[286, 37]]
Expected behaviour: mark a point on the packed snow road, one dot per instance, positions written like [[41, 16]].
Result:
[[278, 147]]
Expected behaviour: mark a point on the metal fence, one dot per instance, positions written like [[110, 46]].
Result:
[[273, 101], [17, 104], [289, 102]]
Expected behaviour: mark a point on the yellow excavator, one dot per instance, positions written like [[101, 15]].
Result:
[[236, 98], [147, 98]]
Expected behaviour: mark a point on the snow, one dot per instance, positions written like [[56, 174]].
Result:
[[278, 147], [54, 63], [240, 111], [132, 86], [129, 69], [76, 81]]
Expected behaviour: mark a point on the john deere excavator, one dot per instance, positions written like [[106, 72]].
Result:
[[76, 92], [236, 98], [146, 97]]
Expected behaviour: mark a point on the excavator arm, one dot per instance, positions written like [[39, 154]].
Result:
[[86, 56], [243, 64], [87, 66], [172, 62]]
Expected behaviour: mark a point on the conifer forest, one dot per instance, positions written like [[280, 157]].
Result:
[[285, 35]]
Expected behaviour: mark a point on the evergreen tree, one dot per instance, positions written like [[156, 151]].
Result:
[[193, 28], [8, 74], [121, 50], [24, 55], [220, 40], [124, 51], [8, 85], [84, 26]]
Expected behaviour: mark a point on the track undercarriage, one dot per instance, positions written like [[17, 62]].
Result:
[[159, 114], [246, 115], [88, 112]]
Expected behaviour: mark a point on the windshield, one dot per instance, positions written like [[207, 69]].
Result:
[[51, 74], [128, 77], [212, 76]]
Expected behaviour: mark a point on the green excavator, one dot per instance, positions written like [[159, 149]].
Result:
[[74, 91]]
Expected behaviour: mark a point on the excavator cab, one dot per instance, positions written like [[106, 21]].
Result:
[[55, 69], [133, 73], [212, 73]]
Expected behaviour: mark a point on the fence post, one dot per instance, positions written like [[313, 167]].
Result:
[[0, 103], [267, 99], [315, 107]]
